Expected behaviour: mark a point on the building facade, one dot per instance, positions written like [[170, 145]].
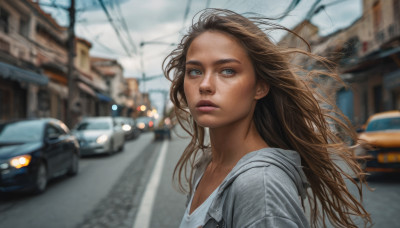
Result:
[[33, 69], [367, 55]]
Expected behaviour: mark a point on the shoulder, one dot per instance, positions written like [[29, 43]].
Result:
[[265, 194], [265, 181]]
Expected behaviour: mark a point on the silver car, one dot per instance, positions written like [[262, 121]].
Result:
[[98, 135]]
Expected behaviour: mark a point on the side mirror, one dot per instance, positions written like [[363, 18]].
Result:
[[52, 136]]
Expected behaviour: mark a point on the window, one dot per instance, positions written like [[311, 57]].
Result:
[[4, 16], [52, 131], [24, 27]]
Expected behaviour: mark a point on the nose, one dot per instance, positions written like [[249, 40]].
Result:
[[207, 84]]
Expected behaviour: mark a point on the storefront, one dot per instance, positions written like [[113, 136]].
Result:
[[391, 82], [19, 89]]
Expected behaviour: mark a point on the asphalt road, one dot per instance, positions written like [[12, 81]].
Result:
[[68, 200], [108, 192]]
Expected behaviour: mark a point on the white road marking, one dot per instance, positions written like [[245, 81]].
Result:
[[144, 214]]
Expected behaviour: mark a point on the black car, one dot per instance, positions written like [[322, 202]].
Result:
[[34, 151]]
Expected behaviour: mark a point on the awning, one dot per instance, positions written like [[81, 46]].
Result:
[[366, 62], [14, 73], [85, 88], [103, 97]]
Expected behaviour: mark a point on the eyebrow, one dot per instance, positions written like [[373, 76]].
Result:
[[218, 62]]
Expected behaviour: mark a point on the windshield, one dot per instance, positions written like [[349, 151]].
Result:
[[21, 132], [94, 125], [384, 124]]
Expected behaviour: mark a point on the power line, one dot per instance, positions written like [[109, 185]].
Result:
[[125, 26], [122, 25], [110, 19]]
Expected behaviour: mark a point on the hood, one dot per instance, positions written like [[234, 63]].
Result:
[[12, 150], [382, 138], [91, 134]]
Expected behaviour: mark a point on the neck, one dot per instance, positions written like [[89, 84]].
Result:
[[230, 143]]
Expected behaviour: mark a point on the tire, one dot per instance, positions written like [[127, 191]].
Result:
[[121, 148], [74, 169], [40, 179]]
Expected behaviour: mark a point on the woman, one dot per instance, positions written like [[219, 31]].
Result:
[[269, 138]]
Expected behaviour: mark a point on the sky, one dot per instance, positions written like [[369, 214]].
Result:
[[159, 24]]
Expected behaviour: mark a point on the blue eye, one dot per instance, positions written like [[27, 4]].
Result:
[[228, 72], [193, 72]]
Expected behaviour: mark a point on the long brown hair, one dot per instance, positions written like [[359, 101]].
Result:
[[294, 115]]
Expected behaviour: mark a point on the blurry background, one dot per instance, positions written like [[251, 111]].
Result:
[[119, 49], [75, 60]]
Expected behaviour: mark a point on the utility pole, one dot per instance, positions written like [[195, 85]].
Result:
[[141, 58], [71, 72]]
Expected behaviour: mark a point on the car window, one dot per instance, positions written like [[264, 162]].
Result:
[[21, 132], [94, 125], [52, 130], [384, 124]]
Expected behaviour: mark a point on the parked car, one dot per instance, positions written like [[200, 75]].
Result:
[[382, 139], [99, 135], [145, 123], [129, 127], [34, 151], [163, 129]]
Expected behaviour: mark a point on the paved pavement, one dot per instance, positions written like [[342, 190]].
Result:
[[120, 207], [170, 204], [118, 200]]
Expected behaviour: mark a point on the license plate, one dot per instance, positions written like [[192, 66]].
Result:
[[389, 157]]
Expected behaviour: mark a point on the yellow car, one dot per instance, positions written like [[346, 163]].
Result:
[[382, 134]]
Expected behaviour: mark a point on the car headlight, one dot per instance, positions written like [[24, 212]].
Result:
[[20, 161], [102, 139], [126, 127]]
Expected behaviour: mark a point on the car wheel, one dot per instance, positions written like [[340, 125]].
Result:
[[73, 170], [41, 179], [122, 147]]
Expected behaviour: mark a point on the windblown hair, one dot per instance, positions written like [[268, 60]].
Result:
[[294, 115]]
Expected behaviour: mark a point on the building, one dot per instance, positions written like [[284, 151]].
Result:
[[33, 69], [134, 97], [115, 81], [24, 88], [367, 56]]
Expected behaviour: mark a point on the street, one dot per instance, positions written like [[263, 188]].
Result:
[[108, 192]]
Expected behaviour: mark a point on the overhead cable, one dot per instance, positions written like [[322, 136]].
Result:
[[110, 19]]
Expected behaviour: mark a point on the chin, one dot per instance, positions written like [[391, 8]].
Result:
[[208, 123]]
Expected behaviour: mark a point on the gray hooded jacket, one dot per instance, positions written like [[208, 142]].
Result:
[[264, 189]]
